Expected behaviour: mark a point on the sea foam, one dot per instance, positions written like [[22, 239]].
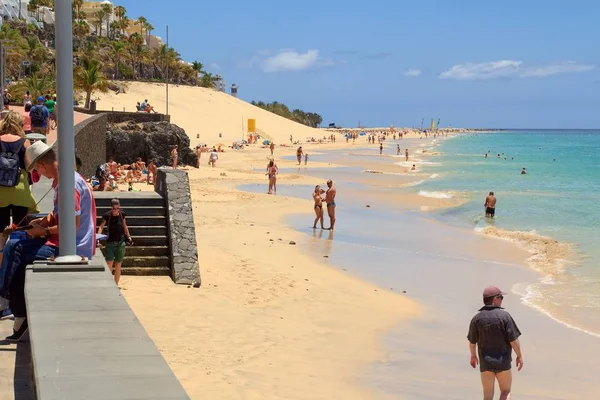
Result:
[[436, 195]]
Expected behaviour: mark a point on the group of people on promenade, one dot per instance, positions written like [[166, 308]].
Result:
[[28, 237]]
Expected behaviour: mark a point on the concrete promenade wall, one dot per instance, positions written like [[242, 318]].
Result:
[[90, 143], [86, 342]]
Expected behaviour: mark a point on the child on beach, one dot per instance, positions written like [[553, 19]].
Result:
[[305, 158]]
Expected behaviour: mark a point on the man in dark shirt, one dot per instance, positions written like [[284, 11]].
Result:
[[495, 334]]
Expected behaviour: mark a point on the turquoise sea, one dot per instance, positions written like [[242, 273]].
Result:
[[556, 199]]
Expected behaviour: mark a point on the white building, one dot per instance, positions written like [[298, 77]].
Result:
[[11, 10]]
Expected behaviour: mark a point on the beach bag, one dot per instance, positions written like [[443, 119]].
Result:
[[37, 116], [10, 168]]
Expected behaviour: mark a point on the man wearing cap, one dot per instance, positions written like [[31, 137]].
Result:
[[39, 117], [44, 242], [496, 335]]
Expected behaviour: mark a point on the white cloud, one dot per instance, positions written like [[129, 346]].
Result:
[[289, 60], [412, 72], [510, 68]]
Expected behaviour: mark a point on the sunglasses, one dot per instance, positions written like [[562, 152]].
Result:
[[500, 297]]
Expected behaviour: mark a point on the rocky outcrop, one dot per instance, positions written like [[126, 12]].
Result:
[[153, 141]]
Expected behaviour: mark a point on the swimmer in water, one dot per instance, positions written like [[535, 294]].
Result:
[[523, 171]]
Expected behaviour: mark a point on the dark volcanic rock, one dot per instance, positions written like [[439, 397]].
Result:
[[152, 141]]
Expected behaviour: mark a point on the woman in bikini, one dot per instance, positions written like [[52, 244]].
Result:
[[272, 172], [318, 206]]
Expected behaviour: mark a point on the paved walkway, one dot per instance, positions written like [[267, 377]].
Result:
[[15, 368]]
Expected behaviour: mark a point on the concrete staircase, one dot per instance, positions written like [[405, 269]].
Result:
[[147, 222]]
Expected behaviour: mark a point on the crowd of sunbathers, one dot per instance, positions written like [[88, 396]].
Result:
[[109, 176]]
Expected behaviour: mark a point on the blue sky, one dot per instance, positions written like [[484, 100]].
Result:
[[520, 64]]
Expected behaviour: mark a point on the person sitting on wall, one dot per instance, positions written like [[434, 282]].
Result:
[[149, 108], [43, 241], [138, 107]]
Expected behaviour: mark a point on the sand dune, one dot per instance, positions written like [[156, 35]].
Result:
[[207, 113]]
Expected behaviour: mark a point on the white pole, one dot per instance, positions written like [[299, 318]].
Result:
[[66, 139]]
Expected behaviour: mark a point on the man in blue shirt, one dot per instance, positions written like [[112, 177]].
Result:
[[39, 117]]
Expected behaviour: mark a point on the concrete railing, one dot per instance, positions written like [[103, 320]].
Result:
[[115, 117], [86, 342]]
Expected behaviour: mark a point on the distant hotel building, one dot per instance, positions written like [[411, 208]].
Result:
[[11, 10]]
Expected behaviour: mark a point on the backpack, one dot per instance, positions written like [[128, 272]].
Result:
[[10, 166], [37, 116]]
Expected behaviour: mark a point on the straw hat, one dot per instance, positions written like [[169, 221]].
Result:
[[34, 153]]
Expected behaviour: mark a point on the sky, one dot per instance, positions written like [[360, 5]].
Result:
[[509, 64]]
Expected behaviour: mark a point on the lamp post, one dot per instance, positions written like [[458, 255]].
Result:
[[66, 137]]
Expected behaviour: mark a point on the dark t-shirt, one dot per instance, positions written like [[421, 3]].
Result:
[[492, 329], [116, 233]]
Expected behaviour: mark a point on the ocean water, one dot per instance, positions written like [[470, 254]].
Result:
[[557, 199]]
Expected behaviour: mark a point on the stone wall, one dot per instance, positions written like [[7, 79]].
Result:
[[174, 187], [90, 143], [116, 117]]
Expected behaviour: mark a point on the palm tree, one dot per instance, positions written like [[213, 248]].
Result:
[[118, 52], [120, 12], [141, 21], [34, 7], [36, 84], [149, 28], [107, 8], [208, 80], [77, 4], [99, 17], [89, 78]]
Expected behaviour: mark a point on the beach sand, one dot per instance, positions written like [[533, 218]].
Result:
[[269, 321], [275, 320]]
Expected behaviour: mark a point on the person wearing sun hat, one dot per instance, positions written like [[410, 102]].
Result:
[[495, 334], [43, 241]]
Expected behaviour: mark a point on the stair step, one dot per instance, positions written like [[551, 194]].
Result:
[[155, 251], [134, 211], [140, 220], [131, 202], [142, 261], [145, 230], [146, 271], [149, 240]]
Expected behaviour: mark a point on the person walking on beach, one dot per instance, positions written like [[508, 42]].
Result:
[[380, 149], [174, 156], [330, 200], [495, 334], [118, 237], [272, 172], [299, 153], [291, 139], [213, 157], [272, 148], [490, 205], [406, 154], [318, 207], [398, 150], [198, 154]]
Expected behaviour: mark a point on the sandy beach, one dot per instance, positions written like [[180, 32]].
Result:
[[288, 313], [269, 322]]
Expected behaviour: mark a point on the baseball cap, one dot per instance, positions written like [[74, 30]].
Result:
[[41, 99], [492, 291]]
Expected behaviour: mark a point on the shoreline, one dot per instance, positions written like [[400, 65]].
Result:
[[258, 326], [253, 350]]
